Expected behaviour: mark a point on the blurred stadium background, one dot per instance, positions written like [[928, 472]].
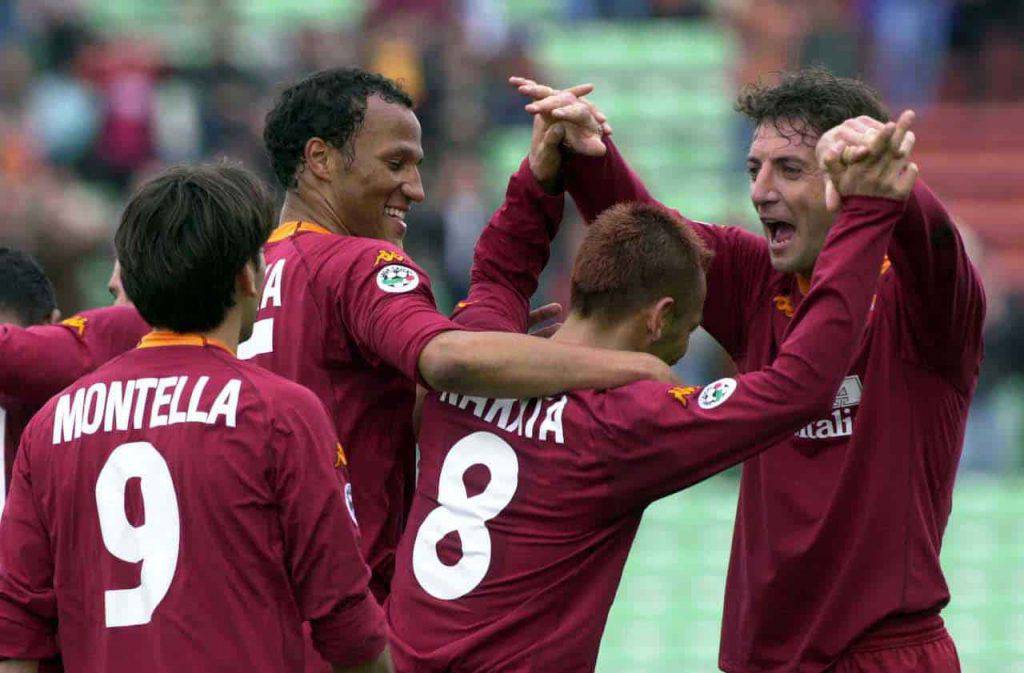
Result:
[[97, 94]]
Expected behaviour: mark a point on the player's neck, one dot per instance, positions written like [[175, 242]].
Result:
[[302, 208], [228, 331], [586, 332]]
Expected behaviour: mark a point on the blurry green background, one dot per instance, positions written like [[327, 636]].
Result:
[[667, 614]]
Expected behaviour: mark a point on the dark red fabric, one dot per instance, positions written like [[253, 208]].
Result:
[[841, 524]]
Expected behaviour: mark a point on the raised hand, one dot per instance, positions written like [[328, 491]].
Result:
[[881, 167], [882, 146], [586, 123]]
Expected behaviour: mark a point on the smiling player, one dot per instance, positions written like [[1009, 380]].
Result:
[[526, 509], [347, 313], [835, 558]]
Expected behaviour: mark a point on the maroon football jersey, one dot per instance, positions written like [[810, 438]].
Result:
[[180, 510], [347, 318], [839, 528], [525, 510], [14, 416], [38, 362]]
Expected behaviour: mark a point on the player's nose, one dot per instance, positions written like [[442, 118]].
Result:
[[413, 188], [762, 188]]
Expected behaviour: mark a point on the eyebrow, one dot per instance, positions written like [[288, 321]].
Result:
[[404, 149]]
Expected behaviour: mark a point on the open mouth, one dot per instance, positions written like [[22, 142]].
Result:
[[780, 232]]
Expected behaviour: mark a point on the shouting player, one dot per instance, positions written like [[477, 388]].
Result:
[[347, 313], [835, 558], [526, 509], [176, 510]]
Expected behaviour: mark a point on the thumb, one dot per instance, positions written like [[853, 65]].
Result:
[[833, 201]]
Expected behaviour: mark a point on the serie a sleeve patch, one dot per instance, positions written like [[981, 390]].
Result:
[[397, 278]]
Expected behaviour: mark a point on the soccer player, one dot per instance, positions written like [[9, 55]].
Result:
[[26, 298], [835, 559], [39, 356], [177, 510], [346, 312], [525, 509]]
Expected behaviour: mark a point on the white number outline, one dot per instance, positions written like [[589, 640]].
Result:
[[155, 544], [467, 515]]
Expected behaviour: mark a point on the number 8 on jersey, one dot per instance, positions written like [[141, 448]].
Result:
[[458, 512]]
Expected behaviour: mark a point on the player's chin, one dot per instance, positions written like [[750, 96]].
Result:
[[394, 232], [785, 261]]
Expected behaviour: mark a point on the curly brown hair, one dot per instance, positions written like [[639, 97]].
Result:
[[330, 104], [809, 102]]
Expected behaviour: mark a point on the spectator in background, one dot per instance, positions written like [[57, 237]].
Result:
[[582, 10], [910, 40], [465, 214]]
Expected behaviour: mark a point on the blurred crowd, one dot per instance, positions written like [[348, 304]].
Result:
[[87, 111]]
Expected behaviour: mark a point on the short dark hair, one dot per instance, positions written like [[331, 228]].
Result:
[[331, 105], [25, 290], [185, 236], [809, 102], [632, 255]]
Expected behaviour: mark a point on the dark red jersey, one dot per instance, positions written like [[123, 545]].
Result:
[[347, 317], [839, 528], [525, 510], [38, 362], [178, 510]]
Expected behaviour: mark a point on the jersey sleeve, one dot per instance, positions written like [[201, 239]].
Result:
[[38, 362], [511, 254], [384, 300], [662, 439], [943, 298], [739, 271], [329, 576], [28, 601]]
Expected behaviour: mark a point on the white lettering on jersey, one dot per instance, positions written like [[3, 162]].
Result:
[[840, 422], [272, 287], [261, 341], [109, 406], [498, 412]]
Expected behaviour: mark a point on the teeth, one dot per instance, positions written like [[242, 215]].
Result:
[[394, 212]]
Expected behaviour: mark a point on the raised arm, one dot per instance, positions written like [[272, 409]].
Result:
[[512, 252], [946, 302], [943, 298], [679, 436]]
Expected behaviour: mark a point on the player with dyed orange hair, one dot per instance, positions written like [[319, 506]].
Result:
[[525, 509]]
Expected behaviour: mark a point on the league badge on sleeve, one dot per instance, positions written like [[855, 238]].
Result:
[[714, 394], [396, 279]]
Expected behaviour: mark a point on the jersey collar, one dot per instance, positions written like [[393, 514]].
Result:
[[289, 229], [159, 338], [804, 284]]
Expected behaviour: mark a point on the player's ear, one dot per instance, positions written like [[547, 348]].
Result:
[[317, 157], [658, 317], [249, 280], [54, 317]]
